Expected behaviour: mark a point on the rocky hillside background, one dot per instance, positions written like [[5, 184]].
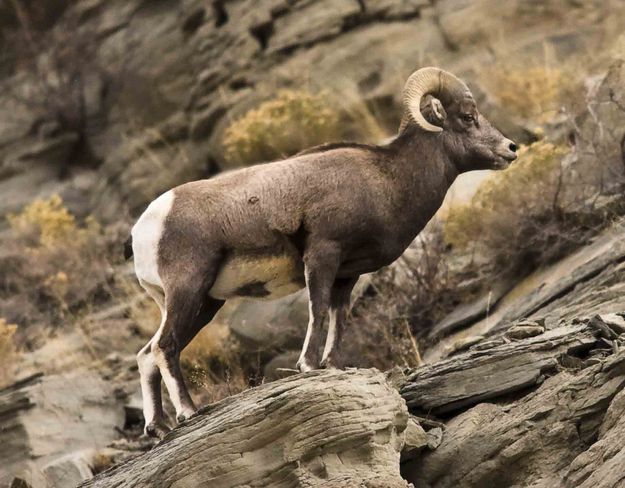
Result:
[[503, 321]]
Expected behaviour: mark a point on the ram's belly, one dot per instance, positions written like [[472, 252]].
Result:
[[261, 277]]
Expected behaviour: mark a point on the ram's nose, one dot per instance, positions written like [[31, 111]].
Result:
[[509, 149]]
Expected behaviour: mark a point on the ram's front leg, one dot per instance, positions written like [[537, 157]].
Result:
[[339, 308], [321, 262]]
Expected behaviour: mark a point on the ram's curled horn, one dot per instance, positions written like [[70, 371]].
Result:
[[433, 81]]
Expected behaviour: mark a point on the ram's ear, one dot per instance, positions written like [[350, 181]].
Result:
[[433, 110]]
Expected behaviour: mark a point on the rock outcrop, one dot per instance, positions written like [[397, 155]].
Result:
[[524, 387], [532, 406], [173, 75], [585, 283], [569, 431], [324, 428], [51, 425]]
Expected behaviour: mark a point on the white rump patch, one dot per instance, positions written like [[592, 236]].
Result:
[[146, 234]]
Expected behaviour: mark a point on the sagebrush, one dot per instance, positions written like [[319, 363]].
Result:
[[517, 218], [281, 127], [536, 93], [58, 264]]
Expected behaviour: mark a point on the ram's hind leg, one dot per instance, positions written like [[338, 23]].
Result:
[[188, 308], [150, 375]]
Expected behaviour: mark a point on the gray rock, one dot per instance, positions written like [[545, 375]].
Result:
[[569, 433], [615, 321], [70, 470], [53, 151], [469, 313], [324, 428], [599, 135], [42, 418], [435, 437], [523, 330], [602, 464], [270, 325], [415, 440], [475, 376], [281, 366]]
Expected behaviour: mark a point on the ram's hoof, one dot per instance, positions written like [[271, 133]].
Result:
[[157, 429], [304, 366], [329, 363], [186, 416]]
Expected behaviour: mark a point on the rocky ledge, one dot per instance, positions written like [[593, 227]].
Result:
[[529, 406]]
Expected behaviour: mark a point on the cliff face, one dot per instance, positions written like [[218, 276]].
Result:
[[163, 79]]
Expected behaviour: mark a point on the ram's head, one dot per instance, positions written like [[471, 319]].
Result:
[[436, 101]]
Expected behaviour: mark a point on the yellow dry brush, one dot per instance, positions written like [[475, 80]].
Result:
[[48, 223], [495, 215], [545, 90], [293, 121], [62, 254]]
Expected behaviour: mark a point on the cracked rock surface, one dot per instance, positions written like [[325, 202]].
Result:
[[318, 429]]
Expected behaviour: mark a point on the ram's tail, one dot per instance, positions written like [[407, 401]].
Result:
[[128, 248]]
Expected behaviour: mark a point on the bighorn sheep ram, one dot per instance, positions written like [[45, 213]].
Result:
[[319, 219]]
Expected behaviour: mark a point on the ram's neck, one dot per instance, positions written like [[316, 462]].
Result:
[[422, 174]]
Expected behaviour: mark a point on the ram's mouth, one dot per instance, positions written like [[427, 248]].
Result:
[[503, 161]]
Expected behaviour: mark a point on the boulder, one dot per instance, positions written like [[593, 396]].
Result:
[[599, 135], [69, 470], [270, 325], [569, 432], [323, 428], [42, 418]]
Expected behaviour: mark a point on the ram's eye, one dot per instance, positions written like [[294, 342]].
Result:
[[468, 118]]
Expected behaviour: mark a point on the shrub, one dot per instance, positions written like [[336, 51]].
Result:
[[516, 217], [47, 223], [281, 127], [61, 265], [8, 351]]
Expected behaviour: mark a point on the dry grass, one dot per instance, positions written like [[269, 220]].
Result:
[[408, 298], [281, 127], [8, 351], [102, 461], [517, 218], [214, 365]]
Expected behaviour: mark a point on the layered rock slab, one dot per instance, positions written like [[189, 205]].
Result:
[[49, 425], [567, 433], [323, 428]]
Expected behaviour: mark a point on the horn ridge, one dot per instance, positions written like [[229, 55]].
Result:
[[429, 81]]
